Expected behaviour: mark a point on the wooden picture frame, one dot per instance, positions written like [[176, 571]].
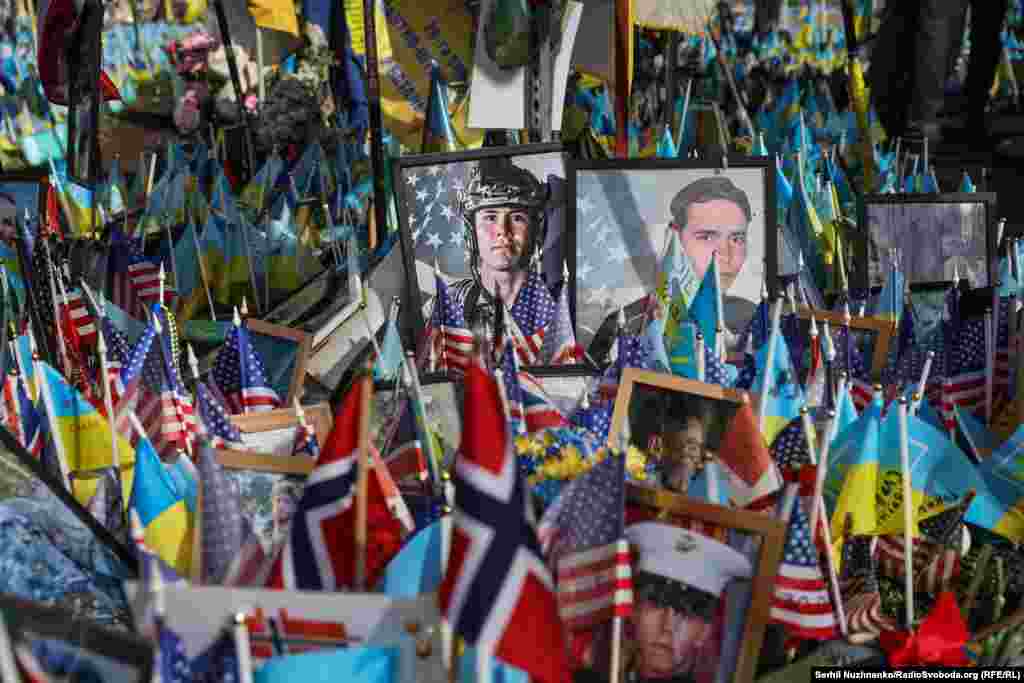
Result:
[[770, 534], [936, 216], [619, 223], [113, 654], [319, 417], [433, 231], [884, 329], [304, 349]]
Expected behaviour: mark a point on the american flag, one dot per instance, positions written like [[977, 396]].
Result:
[[240, 377], [858, 584], [801, 600], [596, 418], [581, 535], [130, 380], [449, 339], [223, 527], [529, 317], [965, 390], [850, 359], [251, 566], [512, 391], [118, 352], [936, 557], [174, 424], [716, 371], [214, 422], [173, 664], [497, 592], [633, 352], [560, 347], [81, 320], [135, 279]]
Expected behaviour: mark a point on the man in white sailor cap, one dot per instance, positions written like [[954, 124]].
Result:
[[678, 580]]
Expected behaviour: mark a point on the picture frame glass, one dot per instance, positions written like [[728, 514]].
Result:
[[934, 240], [488, 221], [623, 219]]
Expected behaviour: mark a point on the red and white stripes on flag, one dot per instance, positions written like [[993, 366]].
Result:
[[801, 602], [595, 585], [934, 568], [966, 390], [451, 348], [77, 312]]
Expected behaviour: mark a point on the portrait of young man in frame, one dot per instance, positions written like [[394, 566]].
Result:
[[634, 219], [489, 224]]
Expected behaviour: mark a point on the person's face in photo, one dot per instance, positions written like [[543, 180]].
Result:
[[683, 449], [716, 225], [501, 234], [667, 639]]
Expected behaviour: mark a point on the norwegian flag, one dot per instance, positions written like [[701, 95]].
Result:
[[58, 25], [497, 593], [320, 551], [448, 336], [801, 599], [135, 279], [405, 460], [240, 377]]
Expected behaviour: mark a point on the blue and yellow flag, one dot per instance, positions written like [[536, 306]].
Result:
[[781, 394], [82, 436], [162, 510], [852, 479], [704, 308]]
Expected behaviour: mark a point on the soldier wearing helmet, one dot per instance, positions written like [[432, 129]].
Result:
[[503, 210]]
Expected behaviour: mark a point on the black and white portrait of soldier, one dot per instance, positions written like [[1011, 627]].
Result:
[[934, 242], [493, 227]]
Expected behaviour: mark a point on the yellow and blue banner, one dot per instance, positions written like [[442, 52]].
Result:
[[162, 510]]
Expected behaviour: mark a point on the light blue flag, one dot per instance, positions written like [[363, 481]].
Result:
[[1009, 456], [781, 395], [1000, 509], [981, 439], [186, 480], [966, 184], [890, 301], [186, 262], [704, 308], [1008, 285], [682, 351], [655, 334], [783, 189], [416, 569], [500, 672], [711, 484], [389, 364], [363, 664], [928, 413], [130, 326], [667, 145]]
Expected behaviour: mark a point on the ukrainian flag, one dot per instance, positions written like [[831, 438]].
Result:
[[82, 436], [781, 396], [162, 510], [852, 478], [1002, 510]]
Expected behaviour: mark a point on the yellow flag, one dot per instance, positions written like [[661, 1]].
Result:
[[275, 15]]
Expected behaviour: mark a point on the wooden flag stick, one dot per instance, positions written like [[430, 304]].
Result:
[[363, 481]]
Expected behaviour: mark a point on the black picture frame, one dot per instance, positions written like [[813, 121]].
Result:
[[988, 200], [555, 251], [27, 620], [602, 331]]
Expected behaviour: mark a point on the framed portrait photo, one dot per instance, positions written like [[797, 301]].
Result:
[[689, 430], [492, 223], [872, 337], [934, 235], [624, 212], [269, 439], [719, 590]]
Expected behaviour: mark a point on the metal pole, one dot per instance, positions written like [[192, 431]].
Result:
[[236, 82]]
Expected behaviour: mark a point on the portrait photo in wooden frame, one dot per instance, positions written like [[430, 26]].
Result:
[[95, 652], [621, 215], [451, 209], [269, 477], [683, 426], [735, 622], [935, 235], [869, 333]]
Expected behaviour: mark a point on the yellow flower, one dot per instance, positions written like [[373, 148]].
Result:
[[636, 463], [523, 443], [549, 439]]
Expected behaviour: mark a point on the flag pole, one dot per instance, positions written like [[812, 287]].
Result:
[[990, 345], [616, 654], [108, 403], [908, 514], [202, 271], [925, 372], [366, 405], [699, 353], [39, 370], [818, 512]]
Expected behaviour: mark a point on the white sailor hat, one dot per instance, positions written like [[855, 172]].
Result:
[[687, 557]]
